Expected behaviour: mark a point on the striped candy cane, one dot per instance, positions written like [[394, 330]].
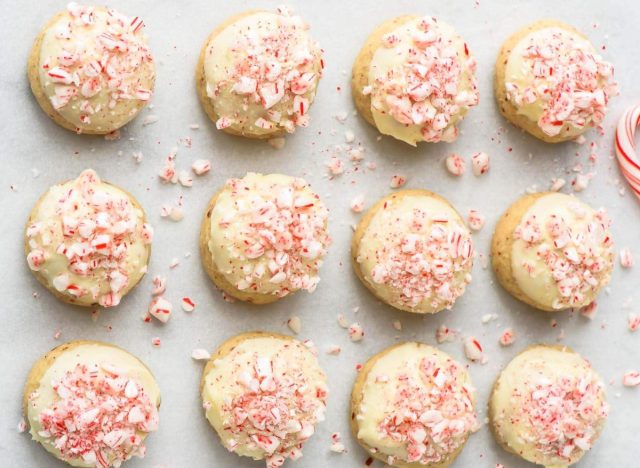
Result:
[[626, 148]]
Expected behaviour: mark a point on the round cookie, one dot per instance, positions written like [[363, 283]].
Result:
[[264, 237], [414, 80], [552, 251], [91, 70], [551, 82], [263, 393], [91, 404], [258, 73], [413, 406], [413, 251], [87, 241], [548, 406]]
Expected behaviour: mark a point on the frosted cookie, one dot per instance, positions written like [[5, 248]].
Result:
[[91, 70], [551, 82], [258, 74], [412, 406], [414, 80], [91, 404], [552, 251], [413, 251], [87, 241], [264, 237], [263, 393], [548, 406]]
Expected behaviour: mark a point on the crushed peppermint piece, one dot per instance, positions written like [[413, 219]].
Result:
[[633, 322], [455, 164], [356, 333], [473, 350], [557, 184], [507, 337], [631, 379], [156, 342], [201, 166], [200, 354], [276, 143], [589, 311], [480, 163], [160, 309], [159, 285], [137, 156], [445, 334], [626, 258], [357, 204], [334, 350], [342, 321], [397, 181], [294, 324], [397, 324], [188, 305], [475, 220]]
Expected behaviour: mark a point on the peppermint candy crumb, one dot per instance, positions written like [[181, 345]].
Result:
[[200, 354], [294, 324]]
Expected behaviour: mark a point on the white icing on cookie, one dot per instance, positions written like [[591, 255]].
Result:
[[562, 254], [86, 239], [262, 72], [265, 397], [555, 78], [94, 406], [422, 82], [416, 253], [269, 234], [549, 406], [417, 406], [95, 67]]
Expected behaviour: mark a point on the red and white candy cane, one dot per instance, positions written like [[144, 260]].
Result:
[[626, 148]]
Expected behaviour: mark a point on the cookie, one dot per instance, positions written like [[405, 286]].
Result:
[[414, 79]]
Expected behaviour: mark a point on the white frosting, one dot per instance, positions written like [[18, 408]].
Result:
[[408, 255], [106, 86], [390, 60], [88, 354], [48, 239], [540, 369], [268, 234], [249, 100], [283, 362], [587, 233], [382, 395]]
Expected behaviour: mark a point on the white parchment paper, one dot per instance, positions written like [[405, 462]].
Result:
[[36, 154]]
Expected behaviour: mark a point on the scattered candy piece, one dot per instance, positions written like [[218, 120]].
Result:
[[200, 354], [475, 220], [508, 337], [201, 166], [188, 305], [397, 324], [443, 333], [336, 445], [357, 204], [185, 179], [580, 183], [634, 322], [631, 379], [335, 166], [356, 333], [276, 143], [160, 309], [473, 350], [159, 285], [22, 425], [626, 258], [557, 184], [294, 324], [455, 164], [397, 181], [156, 342], [334, 350], [342, 321], [480, 163]]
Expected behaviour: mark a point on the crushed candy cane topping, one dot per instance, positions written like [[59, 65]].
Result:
[[98, 416], [433, 87], [579, 257], [275, 233], [567, 78], [275, 67], [276, 412], [104, 61], [90, 246], [433, 416], [562, 415], [424, 258]]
